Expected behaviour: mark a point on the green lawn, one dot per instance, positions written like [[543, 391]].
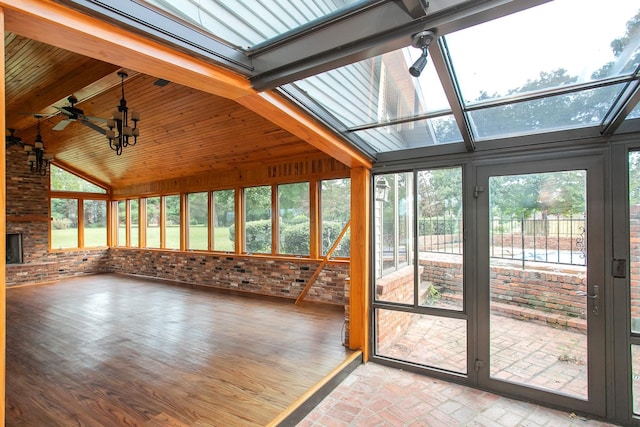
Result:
[[68, 238]]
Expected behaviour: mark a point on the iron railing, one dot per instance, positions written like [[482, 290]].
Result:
[[557, 240]]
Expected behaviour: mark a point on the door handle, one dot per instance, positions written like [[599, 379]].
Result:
[[595, 297]]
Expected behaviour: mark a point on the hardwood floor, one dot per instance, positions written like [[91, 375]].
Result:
[[111, 350]]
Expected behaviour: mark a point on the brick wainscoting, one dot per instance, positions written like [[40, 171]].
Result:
[[267, 276]]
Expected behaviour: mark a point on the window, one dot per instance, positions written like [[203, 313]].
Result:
[[61, 180], [198, 221], [257, 215], [64, 227], [134, 230], [95, 223], [393, 218], [79, 211], [294, 225], [224, 220], [122, 223], [335, 208], [172, 222], [153, 222]]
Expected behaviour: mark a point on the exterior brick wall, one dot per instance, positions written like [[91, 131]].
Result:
[[394, 287], [537, 295]]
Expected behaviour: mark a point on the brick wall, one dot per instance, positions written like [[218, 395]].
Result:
[[549, 296], [27, 213], [396, 286], [267, 276]]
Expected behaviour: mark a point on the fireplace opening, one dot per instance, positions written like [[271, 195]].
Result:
[[14, 248]]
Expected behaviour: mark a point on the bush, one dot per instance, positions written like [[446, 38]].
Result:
[[60, 223], [258, 236], [330, 232], [295, 238]]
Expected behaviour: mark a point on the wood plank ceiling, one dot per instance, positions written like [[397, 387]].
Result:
[[184, 131]]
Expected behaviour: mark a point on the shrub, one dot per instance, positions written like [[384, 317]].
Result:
[[258, 236], [295, 238], [60, 223]]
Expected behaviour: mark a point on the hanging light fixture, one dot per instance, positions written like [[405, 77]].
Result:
[[37, 159], [382, 189], [12, 139], [120, 134]]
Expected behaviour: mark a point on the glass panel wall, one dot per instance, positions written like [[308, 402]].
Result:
[[433, 341], [393, 249], [418, 289], [634, 227], [440, 238]]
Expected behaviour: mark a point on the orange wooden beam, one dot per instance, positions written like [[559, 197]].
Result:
[[324, 262], [288, 116], [3, 239], [54, 24], [360, 244]]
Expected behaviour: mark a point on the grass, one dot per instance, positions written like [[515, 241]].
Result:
[[93, 237]]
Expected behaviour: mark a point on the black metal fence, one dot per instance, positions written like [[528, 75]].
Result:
[[554, 239]]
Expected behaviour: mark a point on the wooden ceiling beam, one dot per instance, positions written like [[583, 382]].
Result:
[[284, 113], [54, 24]]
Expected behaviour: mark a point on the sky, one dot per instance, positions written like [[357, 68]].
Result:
[[573, 34]]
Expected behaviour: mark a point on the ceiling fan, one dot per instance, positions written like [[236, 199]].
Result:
[[74, 113]]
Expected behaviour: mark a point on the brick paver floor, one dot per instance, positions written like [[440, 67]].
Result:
[[377, 395], [522, 352]]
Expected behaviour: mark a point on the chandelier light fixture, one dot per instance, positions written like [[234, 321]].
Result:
[[120, 134], [37, 159]]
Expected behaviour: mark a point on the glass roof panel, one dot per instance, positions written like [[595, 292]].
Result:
[[635, 113], [377, 90], [418, 133], [559, 43], [246, 23], [559, 112]]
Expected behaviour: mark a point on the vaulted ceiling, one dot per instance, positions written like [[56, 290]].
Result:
[[183, 131]]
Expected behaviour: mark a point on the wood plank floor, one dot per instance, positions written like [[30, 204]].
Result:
[[111, 350]]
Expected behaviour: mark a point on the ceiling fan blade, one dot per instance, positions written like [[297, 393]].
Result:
[[94, 127], [95, 119], [61, 124]]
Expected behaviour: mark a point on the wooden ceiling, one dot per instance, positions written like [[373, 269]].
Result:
[[183, 131]]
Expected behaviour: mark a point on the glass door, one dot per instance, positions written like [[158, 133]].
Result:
[[541, 285]]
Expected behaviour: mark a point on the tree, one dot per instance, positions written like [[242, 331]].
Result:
[[440, 192], [522, 196], [61, 180], [224, 207]]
